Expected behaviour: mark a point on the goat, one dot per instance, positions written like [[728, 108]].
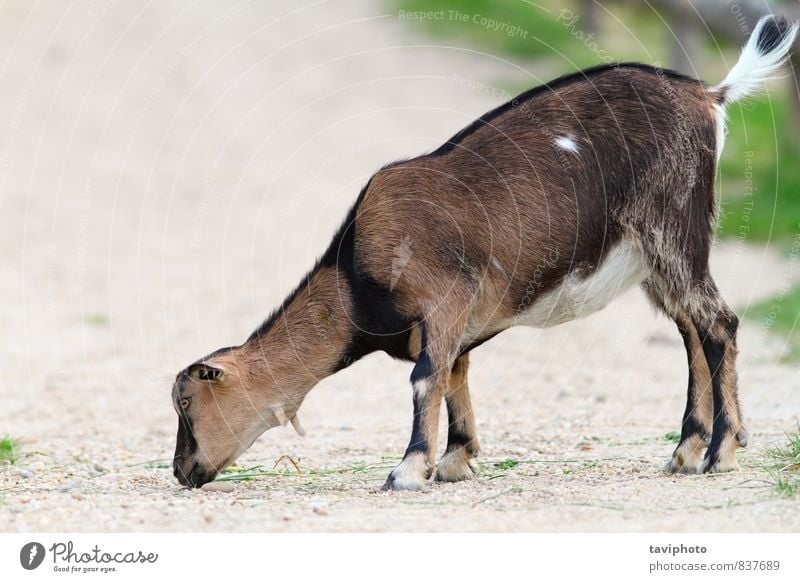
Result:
[[541, 211]]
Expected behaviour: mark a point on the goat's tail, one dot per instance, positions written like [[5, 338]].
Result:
[[766, 50]]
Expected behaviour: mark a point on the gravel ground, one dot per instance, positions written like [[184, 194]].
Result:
[[168, 172]]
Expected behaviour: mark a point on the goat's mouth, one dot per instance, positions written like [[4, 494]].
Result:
[[196, 476]]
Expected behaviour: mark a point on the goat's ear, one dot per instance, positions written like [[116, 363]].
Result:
[[205, 373]]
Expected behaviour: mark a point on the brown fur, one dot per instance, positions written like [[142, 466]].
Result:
[[497, 218], [462, 439]]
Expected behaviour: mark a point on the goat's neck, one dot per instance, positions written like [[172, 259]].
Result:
[[307, 339]]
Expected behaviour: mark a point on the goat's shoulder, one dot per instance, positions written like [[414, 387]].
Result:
[[400, 187]]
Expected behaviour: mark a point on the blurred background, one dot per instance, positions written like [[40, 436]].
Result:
[[169, 170]]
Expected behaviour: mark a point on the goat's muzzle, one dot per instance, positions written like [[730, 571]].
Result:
[[191, 473]]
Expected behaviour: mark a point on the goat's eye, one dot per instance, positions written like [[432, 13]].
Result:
[[184, 403]]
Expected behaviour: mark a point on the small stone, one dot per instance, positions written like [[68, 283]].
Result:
[[70, 485], [25, 474], [317, 504], [99, 468], [219, 486]]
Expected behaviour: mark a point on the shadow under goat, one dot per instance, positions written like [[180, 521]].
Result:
[[540, 212]]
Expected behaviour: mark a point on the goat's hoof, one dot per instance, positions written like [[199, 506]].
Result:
[[721, 456], [742, 437], [456, 465], [686, 464], [410, 475], [688, 456], [720, 465], [678, 464]]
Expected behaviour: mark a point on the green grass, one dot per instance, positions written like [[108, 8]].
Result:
[[784, 468], [500, 28], [779, 315], [673, 437], [506, 465], [8, 450], [236, 473], [97, 319], [759, 174]]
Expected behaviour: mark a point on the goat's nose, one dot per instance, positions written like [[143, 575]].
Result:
[[193, 474], [183, 475]]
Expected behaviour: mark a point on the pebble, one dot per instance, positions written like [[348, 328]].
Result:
[[70, 485], [219, 486], [317, 504], [99, 468], [24, 473]]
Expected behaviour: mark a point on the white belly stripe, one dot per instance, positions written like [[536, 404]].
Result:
[[577, 296]]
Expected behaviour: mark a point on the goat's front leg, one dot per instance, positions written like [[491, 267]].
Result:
[[430, 381], [462, 442], [429, 386]]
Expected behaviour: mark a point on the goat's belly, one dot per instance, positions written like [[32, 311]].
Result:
[[579, 296]]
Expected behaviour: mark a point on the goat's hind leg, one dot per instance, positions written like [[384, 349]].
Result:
[[462, 442], [697, 418], [717, 326], [709, 330]]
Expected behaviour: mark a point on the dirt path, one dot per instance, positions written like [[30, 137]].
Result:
[[167, 173]]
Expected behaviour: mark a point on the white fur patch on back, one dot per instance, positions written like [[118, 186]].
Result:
[[579, 296], [567, 143]]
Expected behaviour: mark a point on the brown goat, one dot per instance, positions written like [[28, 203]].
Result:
[[540, 212]]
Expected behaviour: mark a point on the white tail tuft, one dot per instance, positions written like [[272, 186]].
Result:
[[766, 50]]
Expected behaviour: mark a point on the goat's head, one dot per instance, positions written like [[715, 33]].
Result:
[[222, 409]]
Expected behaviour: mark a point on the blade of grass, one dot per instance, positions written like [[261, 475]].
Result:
[[8, 450]]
